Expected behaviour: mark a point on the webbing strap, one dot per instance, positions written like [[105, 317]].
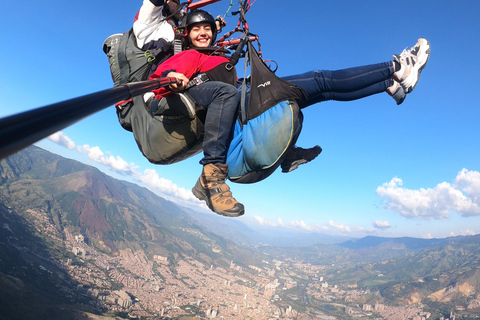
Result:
[[201, 78], [122, 57], [243, 111], [177, 46]]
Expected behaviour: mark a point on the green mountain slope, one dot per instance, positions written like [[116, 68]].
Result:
[[112, 214]]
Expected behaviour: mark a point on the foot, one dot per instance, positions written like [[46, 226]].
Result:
[[297, 156], [397, 92], [412, 63], [211, 188]]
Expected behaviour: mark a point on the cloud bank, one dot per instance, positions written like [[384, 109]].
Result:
[[462, 197], [294, 225], [331, 227]]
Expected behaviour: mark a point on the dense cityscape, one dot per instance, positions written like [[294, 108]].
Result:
[[132, 283]]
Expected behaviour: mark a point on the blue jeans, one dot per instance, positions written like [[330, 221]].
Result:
[[221, 101], [343, 85]]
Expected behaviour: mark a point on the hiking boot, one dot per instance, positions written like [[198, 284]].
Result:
[[212, 188], [412, 63], [397, 92], [297, 156]]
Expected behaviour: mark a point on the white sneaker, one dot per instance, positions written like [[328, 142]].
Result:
[[412, 63]]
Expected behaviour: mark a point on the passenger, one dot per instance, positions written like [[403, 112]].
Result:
[[221, 101]]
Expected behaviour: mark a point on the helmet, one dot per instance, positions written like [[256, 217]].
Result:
[[199, 16]]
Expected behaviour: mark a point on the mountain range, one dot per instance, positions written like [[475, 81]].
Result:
[[114, 215]]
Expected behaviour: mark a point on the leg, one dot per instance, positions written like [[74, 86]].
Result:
[[397, 78], [221, 101], [343, 85]]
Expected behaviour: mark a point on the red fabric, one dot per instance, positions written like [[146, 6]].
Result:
[[190, 63]]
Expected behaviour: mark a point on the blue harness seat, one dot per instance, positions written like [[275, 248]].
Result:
[[259, 146]]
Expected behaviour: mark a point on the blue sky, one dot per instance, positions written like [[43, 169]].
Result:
[[385, 170]]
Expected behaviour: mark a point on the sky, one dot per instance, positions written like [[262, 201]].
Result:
[[385, 170]]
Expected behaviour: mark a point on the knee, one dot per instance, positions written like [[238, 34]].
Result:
[[227, 91]]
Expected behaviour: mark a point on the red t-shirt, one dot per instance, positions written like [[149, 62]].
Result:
[[190, 63]]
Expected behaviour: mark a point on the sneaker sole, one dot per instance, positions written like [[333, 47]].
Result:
[[399, 96], [417, 70], [294, 165], [201, 194]]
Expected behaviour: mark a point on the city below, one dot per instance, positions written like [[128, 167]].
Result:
[[132, 283]]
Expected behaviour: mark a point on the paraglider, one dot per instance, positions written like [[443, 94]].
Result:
[[269, 120], [171, 128]]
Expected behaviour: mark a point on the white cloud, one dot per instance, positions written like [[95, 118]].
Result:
[[468, 233], [436, 203], [381, 224], [311, 228], [339, 226], [332, 227], [151, 179], [296, 225], [116, 164], [463, 233], [61, 139], [469, 183], [261, 221]]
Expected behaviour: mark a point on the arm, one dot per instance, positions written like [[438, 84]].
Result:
[[182, 66], [148, 26], [186, 63], [183, 81]]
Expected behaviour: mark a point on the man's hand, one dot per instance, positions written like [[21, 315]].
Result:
[[180, 85]]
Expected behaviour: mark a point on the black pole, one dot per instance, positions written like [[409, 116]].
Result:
[[21, 130]]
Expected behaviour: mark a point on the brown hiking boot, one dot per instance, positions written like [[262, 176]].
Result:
[[297, 156], [212, 188]]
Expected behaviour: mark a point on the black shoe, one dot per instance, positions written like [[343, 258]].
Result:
[[297, 156]]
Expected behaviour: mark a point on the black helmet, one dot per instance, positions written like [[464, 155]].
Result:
[[199, 16]]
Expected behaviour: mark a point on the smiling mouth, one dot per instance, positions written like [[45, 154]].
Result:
[[203, 41]]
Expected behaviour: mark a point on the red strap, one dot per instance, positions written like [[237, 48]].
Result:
[[119, 105]]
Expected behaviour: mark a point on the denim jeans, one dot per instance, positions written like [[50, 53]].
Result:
[[343, 85], [221, 101]]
